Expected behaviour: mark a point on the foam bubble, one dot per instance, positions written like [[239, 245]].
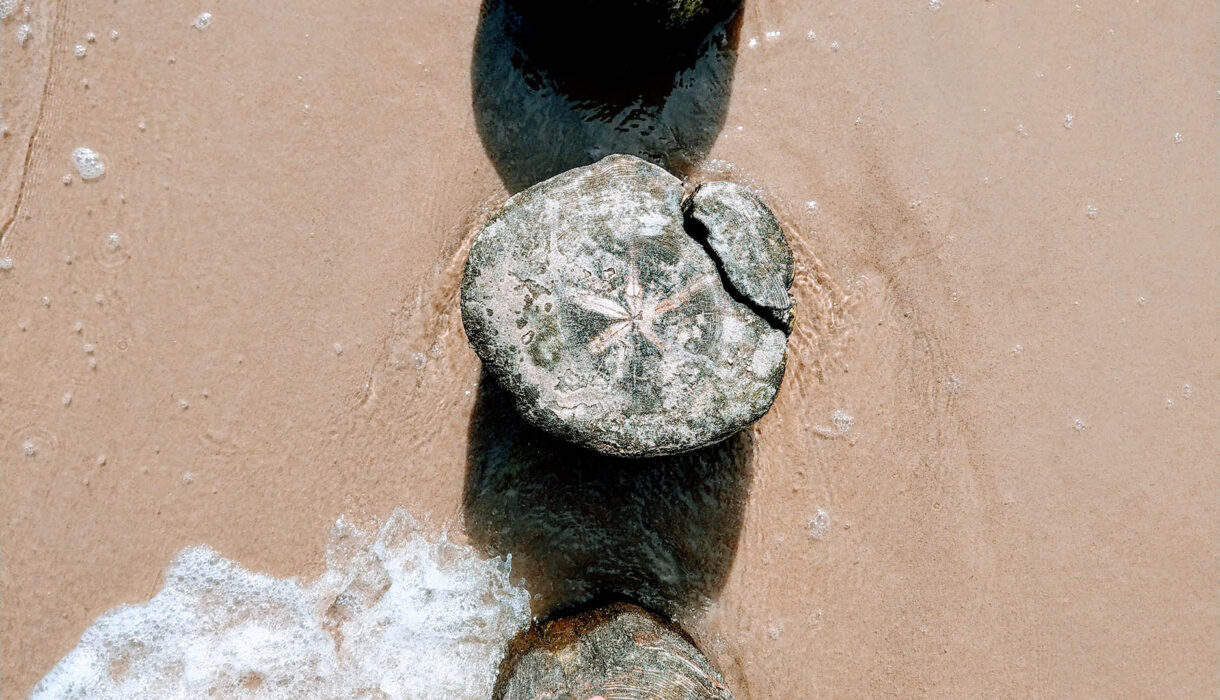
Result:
[[88, 163], [203, 20], [397, 613], [819, 525], [843, 420]]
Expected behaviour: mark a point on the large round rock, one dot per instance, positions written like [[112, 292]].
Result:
[[618, 651], [609, 324]]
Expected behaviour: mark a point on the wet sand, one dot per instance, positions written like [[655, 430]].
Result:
[[1017, 311]]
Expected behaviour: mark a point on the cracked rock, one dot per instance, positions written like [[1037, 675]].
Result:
[[618, 651], [749, 244], [610, 325]]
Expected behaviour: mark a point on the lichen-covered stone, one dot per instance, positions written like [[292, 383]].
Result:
[[617, 651], [608, 324], [746, 238]]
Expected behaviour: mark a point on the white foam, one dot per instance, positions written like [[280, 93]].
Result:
[[88, 163], [819, 525], [397, 613]]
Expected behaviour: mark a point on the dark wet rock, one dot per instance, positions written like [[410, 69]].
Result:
[[745, 237], [617, 651], [608, 324]]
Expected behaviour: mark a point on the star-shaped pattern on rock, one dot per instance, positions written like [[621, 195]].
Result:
[[637, 315]]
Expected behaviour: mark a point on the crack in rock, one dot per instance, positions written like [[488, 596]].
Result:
[[611, 326]]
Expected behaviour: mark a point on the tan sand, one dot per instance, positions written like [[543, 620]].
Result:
[[1025, 502]]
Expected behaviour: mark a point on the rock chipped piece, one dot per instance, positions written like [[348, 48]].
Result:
[[746, 239], [618, 651], [610, 325]]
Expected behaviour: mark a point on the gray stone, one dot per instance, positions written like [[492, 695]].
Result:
[[618, 651], [748, 242], [609, 324]]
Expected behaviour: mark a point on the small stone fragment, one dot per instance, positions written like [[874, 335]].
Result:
[[749, 244], [617, 651], [609, 324]]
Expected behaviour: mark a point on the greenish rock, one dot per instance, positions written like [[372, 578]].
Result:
[[747, 241], [610, 325], [617, 651]]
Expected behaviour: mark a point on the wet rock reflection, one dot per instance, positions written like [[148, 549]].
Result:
[[547, 98], [582, 526]]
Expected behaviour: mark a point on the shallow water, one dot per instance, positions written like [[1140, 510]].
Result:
[[398, 612], [988, 471]]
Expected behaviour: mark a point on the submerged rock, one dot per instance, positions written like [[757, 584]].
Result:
[[748, 242], [608, 323], [618, 651]]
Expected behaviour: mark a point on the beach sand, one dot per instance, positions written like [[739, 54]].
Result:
[[991, 469]]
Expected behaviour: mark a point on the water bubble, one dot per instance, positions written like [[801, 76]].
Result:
[[89, 348], [819, 525], [953, 384], [78, 327], [843, 421], [811, 35], [91, 37], [1067, 121], [100, 461], [6, 264], [80, 50], [338, 349], [1078, 424], [92, 363], [753, 43], [420, 360], [203, 20], [66, 399], [29, 448], [23, 33], [1168, 402], [834, 45], [812, 205], [1018, 349], [772, 35], [66, 179], [187, 477], [45, 301], [1142, 300], [88, 163], [1091, 211], [934, 5], [1177, 137], [184, 404], [1021, 130], [7, 7], [114, 35], [1188, 390]]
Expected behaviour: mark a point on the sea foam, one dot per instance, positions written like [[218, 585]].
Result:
[[397, 613]]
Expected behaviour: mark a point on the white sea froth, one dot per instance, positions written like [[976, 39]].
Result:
[[397, 613]]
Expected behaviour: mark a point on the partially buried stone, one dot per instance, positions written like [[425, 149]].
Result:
[[618, 651], [746, 238], [609, 324]]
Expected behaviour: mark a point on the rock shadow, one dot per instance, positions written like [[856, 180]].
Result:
[[661, 532], [548, 97]]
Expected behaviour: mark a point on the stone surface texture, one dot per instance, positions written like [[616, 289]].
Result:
[[617, 651], [609, 324], [747, 240]]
